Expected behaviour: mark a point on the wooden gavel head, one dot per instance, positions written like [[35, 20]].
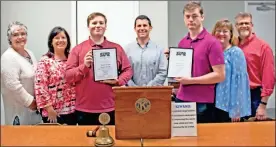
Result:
[[92, 133]]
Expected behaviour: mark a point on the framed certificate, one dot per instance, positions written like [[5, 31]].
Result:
[[105, 64], [180, 62]]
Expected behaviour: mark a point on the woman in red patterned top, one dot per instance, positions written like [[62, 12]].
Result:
[[55, 97]]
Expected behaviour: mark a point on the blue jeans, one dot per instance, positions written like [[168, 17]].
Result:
[[200, 107], [205, 111], [255, 100]]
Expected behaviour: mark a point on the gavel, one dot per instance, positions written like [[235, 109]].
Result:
[[92, 133]]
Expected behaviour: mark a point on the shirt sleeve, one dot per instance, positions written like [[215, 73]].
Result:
[[216, 56], [10, 71], [75, 71], [240, 100], [42, 94], [125, 68], [127, 50], [161, 75], [131, 83], [267, 70]]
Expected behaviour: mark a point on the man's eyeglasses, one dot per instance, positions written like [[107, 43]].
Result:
[[243, 23]]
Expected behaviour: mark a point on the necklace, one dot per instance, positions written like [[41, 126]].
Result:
[[28, 57]]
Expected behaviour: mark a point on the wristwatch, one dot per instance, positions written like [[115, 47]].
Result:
[[264, 103]]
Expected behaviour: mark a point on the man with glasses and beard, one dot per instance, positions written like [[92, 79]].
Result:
[[260, 65]]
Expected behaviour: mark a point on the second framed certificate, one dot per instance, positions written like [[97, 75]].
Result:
[[180, 62], [105, 64]]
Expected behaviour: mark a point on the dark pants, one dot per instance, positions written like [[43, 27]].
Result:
[[221, 116], [85, 118], [203, 116], [255, 100], [69, 119]]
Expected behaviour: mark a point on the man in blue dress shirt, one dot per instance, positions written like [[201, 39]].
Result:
[[147, 59]]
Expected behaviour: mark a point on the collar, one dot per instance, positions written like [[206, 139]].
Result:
[[248, 39], [145, 45], [92, 43], [201, 35]]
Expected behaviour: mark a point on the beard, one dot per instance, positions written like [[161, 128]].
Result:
[[244, 33]]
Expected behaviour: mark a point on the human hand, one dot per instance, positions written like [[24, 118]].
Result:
[[184, 80], [88, 59], [236, 119], [52, 114], [167, 52], [33, 105], [261, 112], [111, 82]]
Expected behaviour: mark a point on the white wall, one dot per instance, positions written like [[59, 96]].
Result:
[[213, 11], [40, 17], [120, 19], [120, 16], [157, 11]]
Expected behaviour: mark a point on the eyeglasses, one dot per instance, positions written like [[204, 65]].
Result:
[[244, 23], [221, 31], [23, 34]]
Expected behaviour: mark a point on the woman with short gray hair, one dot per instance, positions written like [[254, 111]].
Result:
[[17, 79]]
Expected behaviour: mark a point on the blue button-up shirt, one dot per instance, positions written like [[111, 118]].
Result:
[[149, 64]]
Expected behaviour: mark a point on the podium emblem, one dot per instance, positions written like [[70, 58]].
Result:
[[142, 105]]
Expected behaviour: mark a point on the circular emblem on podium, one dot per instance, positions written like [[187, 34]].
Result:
[[142, 105]]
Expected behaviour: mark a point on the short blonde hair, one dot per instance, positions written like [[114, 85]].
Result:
[[226, 23], [192, 5]]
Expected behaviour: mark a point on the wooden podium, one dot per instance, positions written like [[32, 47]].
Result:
[[143, 112]]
